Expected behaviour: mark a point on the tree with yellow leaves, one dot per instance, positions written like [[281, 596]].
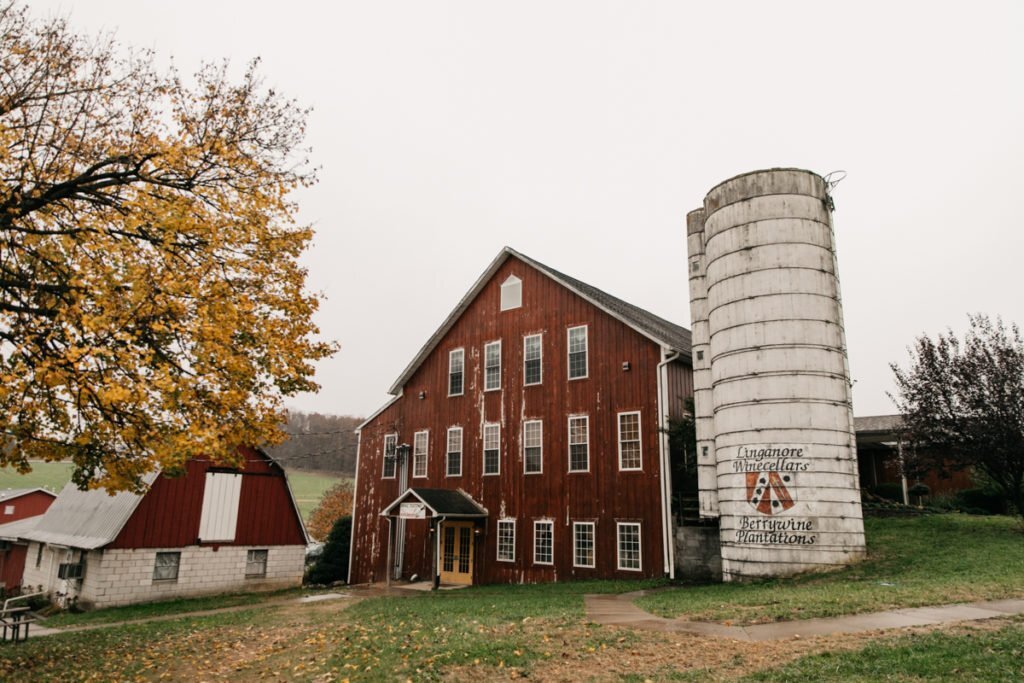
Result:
[[152, 306]]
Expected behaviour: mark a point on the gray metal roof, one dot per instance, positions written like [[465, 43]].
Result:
[[86, 519], [13, 531], [878, 423], [442, 502], [658, 330]]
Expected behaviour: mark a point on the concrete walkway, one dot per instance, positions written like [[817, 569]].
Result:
[[619, 610]]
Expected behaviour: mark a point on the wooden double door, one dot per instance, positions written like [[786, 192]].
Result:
[[456, 552]]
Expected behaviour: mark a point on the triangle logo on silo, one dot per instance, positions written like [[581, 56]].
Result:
[[770, 492]]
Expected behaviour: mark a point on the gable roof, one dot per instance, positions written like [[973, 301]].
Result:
[[92, 519], [13, 531], [441, 503], [10, 494], [86, 519], [658, 330]]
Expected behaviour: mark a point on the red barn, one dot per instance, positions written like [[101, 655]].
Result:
[[17, 505], [212, 530], [525, 440]]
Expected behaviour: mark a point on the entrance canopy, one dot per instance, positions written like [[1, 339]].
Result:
[[422, 503]]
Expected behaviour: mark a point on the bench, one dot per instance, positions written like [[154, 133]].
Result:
[[16, 619]]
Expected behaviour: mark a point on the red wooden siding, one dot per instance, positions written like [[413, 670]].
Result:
[[28, 505], [603, 495], [168, 516], [12, 566], [679, 388]]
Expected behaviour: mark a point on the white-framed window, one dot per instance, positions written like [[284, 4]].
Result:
[[533, 447], [492, 448], [628, 543], [419, 453], [543, 542], [579, 443], [256, 564], [453, 457], [166, 566], [8, 509], [583, 544], [511, 293], [492, 366], [630, 452], [506, 540], [577, 352], [390, 455], [456, 372], [533, 353]]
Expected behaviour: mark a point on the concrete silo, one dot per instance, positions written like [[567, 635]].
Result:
[[776, 404]]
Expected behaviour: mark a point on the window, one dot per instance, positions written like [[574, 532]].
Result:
[[419, 454], [39, 555], [219, 516], [256, 564], [390, 455], [453, 467], [506, 540], [492, 448], [543, 542], [533, 436], [492, 366], [166, 567], [629, 441], [579, 444], [629, 545], [583, 544], [456, 371], [578, 352], [532, 359], [511, 293], [8, 509]]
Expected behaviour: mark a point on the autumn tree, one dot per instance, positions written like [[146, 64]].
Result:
[[152, 306], [963, 404], [335, 504]]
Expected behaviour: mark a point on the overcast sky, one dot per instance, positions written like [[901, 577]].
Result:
[[581, 133]]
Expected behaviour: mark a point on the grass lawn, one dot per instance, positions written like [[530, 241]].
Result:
[[540, 631], [971, 653], [51, 475], [913, 561]]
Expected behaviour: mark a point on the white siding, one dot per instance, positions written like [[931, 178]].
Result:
[[220, 506]]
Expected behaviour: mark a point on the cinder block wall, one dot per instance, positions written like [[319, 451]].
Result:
[[123, 577]]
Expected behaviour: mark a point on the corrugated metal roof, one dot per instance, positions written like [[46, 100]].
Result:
[[12, 531], [86, 519], [656, 329]]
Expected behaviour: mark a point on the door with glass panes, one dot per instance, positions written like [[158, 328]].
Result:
[[457, 552]]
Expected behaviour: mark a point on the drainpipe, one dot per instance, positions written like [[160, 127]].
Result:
[[668, 550], [437, 553]]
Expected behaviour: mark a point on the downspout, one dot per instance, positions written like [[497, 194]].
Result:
[[668, 550]]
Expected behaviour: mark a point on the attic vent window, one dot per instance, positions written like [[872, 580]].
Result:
[[511, 293]]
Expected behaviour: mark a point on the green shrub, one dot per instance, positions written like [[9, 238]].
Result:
[[981, 500], [332, 565]]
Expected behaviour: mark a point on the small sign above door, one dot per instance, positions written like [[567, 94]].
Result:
[[412, 511]]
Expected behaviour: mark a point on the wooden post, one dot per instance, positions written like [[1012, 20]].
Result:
[[391, 542]]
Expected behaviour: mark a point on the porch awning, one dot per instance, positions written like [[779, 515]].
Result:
[[453, 504]]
